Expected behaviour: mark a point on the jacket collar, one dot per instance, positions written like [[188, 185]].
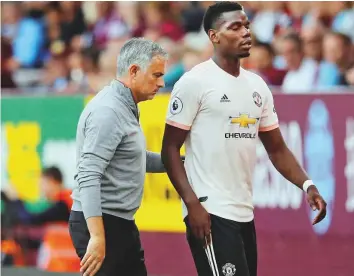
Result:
[[126, 95]]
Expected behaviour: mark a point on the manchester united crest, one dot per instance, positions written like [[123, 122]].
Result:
[[229, 269], [257, 99]]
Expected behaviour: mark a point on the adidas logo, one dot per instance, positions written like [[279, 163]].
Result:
[[224, 99]]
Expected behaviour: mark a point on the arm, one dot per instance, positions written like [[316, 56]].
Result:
[[282, 158], [172, 142], [184, 106], [286, 164], [269, 133], [198, 217], [103, 133]]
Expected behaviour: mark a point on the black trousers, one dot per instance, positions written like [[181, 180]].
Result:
[[124, 254], [233, 250]]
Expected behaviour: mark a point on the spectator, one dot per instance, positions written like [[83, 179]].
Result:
[[299, 68], [190, 58], [90, 58], [158, 18], [90, 65], [52, 187], [76, 73], [349, 76], [297, 11], [261, 61], [54, 44], [338, 50], [192, 17], [72, 23], [109, 26], [70, 27], [56, 76], [312, 38], [343, 21], [6, 65], [175, 68], [318, 14], [129, 12], [25, 33], [175, 52], [269, 21], [327, 72]]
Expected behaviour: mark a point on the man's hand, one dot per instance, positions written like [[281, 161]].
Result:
[[94, 256], [199, 221], [316, 203]]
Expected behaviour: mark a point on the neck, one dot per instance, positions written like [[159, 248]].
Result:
[[128, 84], [229, 65]]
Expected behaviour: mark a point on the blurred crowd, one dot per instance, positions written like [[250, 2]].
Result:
[[71, 47], [25, 231]]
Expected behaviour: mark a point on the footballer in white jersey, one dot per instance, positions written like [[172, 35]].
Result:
[[218, 110]]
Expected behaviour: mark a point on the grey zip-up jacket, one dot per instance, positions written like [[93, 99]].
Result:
[[111, 155]]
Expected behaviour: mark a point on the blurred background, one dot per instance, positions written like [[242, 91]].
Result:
[[56, 55]]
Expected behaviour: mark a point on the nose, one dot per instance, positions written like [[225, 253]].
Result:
[[246, 32], [161, 82]]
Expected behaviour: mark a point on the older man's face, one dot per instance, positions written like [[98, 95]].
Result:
[[149, 82]]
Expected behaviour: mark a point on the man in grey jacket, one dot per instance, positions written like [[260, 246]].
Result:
[[111, 164]]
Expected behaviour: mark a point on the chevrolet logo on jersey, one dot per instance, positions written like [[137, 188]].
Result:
[[244, 120]]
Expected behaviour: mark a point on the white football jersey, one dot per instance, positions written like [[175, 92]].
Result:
[[224, 114]]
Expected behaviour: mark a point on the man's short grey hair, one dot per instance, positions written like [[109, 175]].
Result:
[[139, 51]]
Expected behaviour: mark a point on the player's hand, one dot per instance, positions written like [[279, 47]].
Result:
[[316, 203], [94, 256], [199, 221]]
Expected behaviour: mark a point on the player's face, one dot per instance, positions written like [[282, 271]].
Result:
[[150, 81], [233, 36]]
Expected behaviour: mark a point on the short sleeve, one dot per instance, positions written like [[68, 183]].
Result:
[[269, 118], [184, 103]]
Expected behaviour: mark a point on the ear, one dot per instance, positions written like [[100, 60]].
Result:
[[214, 36], [133, 70]]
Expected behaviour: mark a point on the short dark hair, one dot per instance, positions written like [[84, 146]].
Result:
[[295, 38], [91, 53], [53, 172], [214, 12]]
